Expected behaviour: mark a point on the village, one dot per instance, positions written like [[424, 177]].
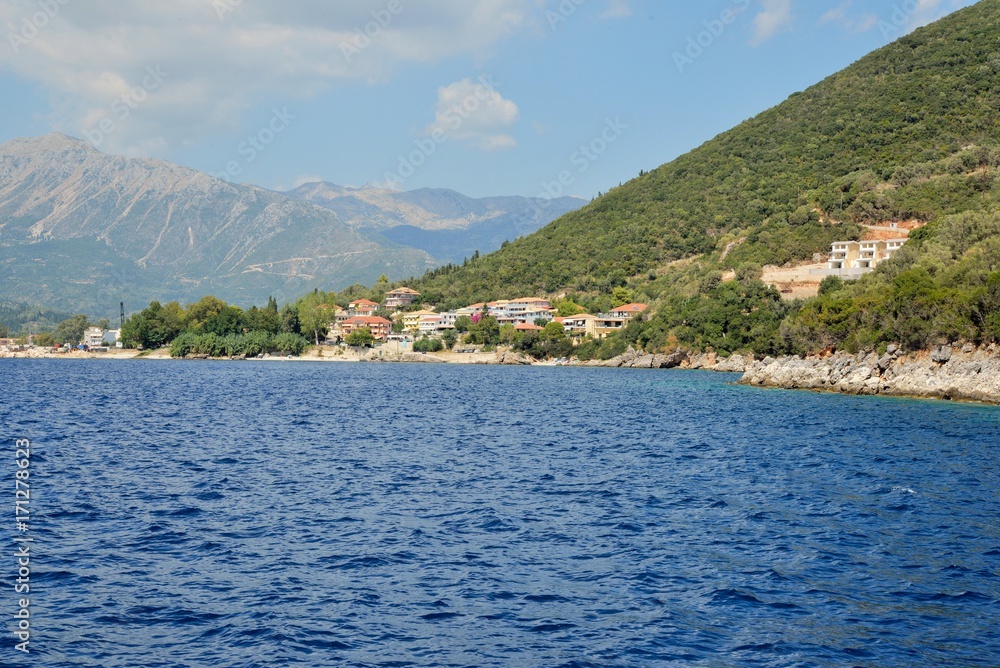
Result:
[[526, 314], [398, 321]]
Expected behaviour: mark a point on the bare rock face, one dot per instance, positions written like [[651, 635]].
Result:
[[671, 361], [510, 358], [631, 359], [625, 359], [941, 355], [734, 364], [971, 374]]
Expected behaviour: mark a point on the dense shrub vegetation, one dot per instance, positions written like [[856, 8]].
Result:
[[212, 327]]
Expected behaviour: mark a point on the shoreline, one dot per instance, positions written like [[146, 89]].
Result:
[[950, 373]]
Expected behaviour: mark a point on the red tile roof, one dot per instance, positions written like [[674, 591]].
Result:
[[630, 308]]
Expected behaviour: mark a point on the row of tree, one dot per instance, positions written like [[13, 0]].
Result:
[[211, 326]]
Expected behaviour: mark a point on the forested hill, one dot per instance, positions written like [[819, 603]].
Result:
[[909, 131]]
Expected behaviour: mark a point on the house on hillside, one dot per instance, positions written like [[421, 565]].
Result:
[[411, 321], [400, 298], [579, 326], [429, 324], [379, 327], [629, 311], [362, 307], [851, 259]]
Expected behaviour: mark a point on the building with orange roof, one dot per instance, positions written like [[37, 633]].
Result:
[[400, 298], [629, 310], [365, 307], [379, 327]]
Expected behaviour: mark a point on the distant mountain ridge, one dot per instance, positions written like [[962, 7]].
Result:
[[81, 230], [442, 222]]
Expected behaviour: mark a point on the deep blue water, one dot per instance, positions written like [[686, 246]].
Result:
[[297, 514]]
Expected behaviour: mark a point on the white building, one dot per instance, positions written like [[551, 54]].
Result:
[[93, 337]]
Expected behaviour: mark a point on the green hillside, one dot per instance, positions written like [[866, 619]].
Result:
[[911, 131], [913, 103]]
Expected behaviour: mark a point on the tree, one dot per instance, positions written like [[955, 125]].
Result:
[[229, 320], [485, 332], [71, 330], [195, 315], [554, 331], [463, 324], [448, 338], [289, 318], [264, 319], [315, 313], [153, 327], [361, 337], [620, 296], [45, 339]]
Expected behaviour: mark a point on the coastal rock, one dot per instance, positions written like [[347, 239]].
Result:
[[701, 361], [944, 373], [624, 360], [644, 362], [941, 355], [734, 364], [510, 358], [671, 361]]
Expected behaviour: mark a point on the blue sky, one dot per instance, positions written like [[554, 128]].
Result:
[[489, 97]]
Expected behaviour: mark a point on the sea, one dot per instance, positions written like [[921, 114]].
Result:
[[200, 513]]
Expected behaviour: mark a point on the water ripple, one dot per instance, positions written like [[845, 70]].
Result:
[[365, 515]]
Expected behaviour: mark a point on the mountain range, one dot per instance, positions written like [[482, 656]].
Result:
[[82, 230]]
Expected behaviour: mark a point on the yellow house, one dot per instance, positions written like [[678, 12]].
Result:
[[411, 321]]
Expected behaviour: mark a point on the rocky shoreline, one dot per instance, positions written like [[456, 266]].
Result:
[[963, 373]]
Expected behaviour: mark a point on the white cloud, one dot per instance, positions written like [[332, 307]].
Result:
[[848, 21], [474, 113], [775, 17], [225, 56], [618, 9]]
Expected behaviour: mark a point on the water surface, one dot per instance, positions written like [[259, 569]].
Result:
[[310, 514]]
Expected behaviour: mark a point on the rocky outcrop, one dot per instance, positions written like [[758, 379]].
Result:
[[511, 358], [947, 372], [408, 358], [632, 359]]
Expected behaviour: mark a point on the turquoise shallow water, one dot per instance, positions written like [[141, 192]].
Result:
[[297, 514]]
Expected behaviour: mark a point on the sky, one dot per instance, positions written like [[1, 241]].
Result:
[[487, 97]]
